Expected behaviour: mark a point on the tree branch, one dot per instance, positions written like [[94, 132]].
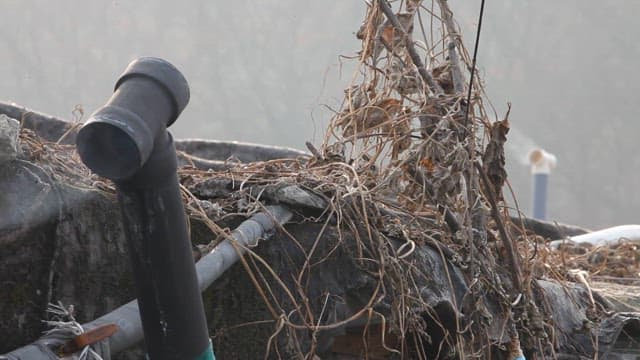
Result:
[[508, 243], [415, 57]]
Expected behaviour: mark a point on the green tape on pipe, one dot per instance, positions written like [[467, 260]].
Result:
[[207, 354]]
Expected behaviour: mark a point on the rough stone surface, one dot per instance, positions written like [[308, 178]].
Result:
[[9, 129], [57, 243]]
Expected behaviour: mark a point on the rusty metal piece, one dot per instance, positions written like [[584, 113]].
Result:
[[88, 338]]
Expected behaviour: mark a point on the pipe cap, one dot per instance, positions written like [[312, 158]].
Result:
[[166, 75], [541, 161]]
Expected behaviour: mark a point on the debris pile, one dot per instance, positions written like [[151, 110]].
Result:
[[618, 263]]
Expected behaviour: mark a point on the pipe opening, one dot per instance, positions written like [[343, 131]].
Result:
[[108, 151]]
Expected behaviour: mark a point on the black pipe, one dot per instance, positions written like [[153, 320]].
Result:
[[127, 141]]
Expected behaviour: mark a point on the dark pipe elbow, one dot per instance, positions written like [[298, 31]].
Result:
[[118, 139], [127, 141]]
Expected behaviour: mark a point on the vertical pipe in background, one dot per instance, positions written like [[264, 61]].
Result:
[[541, 164], [540, 181]]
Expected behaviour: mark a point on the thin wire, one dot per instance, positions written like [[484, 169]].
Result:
[[473, 64]]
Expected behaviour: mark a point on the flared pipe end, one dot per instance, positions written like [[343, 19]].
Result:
[[114, 143], [120, 137], [164, 74]]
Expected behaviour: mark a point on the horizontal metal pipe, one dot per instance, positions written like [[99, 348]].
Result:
[[243, 151], [609, 236], [211, 266]]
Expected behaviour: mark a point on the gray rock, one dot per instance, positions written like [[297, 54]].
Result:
[[9, 129]]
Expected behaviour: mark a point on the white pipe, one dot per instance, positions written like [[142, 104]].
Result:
[[605, 237]]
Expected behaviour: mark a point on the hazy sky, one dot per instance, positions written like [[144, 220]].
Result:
[[262, 71]]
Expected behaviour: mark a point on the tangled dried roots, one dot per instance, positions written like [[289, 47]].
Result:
[[411, 140]]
